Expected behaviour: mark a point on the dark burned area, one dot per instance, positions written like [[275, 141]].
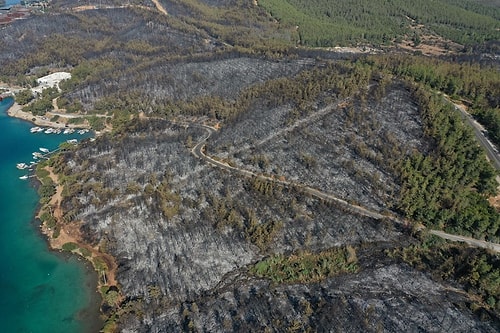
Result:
[[186, 235], [186, 266]]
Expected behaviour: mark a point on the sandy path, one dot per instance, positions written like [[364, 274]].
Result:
[[160, 7], [70, 233]]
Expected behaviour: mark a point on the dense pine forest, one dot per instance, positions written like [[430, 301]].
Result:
[[327, 23]]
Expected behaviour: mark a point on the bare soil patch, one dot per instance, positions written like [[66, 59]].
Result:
[[430, 44], [70, 233]]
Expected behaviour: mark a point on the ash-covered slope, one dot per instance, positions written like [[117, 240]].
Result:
[[185, 233], [344, 148], [391, 298]]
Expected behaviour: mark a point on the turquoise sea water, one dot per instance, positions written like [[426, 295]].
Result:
[[12, 2], [40, 291]]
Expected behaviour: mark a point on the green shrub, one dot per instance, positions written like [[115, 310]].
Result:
[[305, 267], [85, 252], [69, 246]]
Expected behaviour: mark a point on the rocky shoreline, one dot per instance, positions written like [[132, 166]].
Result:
[[66, 239], [69, 233]]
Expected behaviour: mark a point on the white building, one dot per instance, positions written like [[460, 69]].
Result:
[[51, 80]]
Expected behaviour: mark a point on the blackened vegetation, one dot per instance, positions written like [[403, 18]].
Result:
[[191, 240], [475, 269], [389, 298], [473, 84], [357, 141], [202, 249]]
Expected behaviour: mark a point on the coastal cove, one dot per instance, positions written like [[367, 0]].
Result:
[[40, 290]]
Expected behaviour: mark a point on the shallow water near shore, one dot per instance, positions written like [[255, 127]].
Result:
[[12, 2], [40, 290]]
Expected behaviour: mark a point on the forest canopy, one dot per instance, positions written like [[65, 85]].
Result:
[[327, 23]]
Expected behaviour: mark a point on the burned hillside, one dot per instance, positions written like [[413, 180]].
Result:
[[186, 234], [242, 181]]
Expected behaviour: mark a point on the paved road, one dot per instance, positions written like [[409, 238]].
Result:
[[198, 151], [491, 151]]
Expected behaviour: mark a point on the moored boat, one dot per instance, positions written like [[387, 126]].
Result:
[[21, 166]]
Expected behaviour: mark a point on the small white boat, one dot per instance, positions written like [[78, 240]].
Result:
[[68, 131], [21, 166], [74, 141], [37, 155], [49, 131], [57, 131], [44, 150], [24, 177], [36, 129]]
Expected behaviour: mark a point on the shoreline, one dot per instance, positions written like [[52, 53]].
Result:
[[69, 233], [100, 267], [91, 317], [15, 111], [85, 314]]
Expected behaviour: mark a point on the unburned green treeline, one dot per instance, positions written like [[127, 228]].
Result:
[[448, 187], [331, 23]]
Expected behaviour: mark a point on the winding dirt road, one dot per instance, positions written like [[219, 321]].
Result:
[[198, 151]]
